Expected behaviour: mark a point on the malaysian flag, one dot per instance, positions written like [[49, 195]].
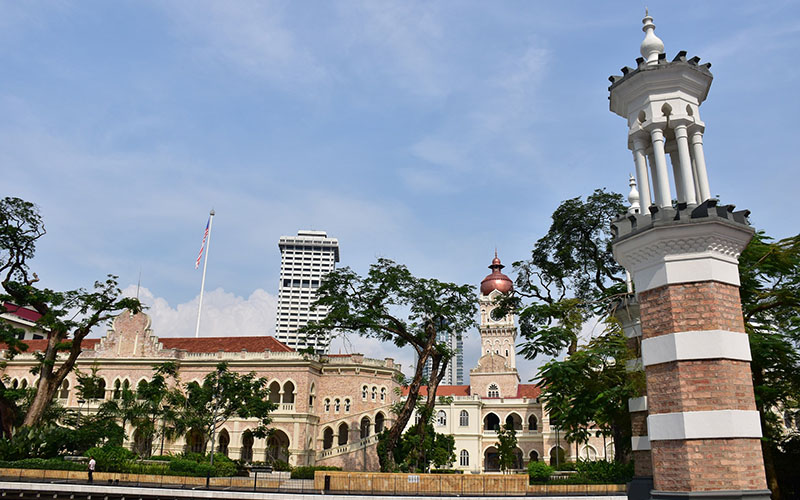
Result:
[[203, 246]]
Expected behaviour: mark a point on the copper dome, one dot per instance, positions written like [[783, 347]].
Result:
[[497, 280]]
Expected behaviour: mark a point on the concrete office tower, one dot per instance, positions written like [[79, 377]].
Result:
[[455, 368], [305, 260], [702, 429]]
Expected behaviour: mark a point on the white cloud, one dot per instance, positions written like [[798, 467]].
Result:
[[224, 314]]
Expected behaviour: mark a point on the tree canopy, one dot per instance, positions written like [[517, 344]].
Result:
[[67, 317], [392, 305]]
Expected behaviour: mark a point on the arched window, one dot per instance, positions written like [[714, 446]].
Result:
[[374, 393], [491, 422], [344, 432], [327, 405], [364, 391], [494, 391], [327, 438], [506, 352], [417, 418], [441, 418], [383, 393], [365, 427], [534, 456], [247, 446], [463, 459], [588, 453], [117, 394], [379, 418], [463, 418], [64, 392], [24, 384], [101, 389], [141, 389], [15, 384], [275, 392], [347, 406], [224, 441], [337, 405], [311, 396], [532, 423], [288, 392]]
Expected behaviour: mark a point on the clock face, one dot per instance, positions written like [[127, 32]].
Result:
[[496, 315]]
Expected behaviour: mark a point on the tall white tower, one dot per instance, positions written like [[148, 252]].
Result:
[[305, 260]]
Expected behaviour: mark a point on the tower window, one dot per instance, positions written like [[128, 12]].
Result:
[[494, 391]]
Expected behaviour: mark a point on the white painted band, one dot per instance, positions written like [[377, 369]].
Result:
[[704, 344], [716, 424], [687, 269], [637, 404], [640, 443]]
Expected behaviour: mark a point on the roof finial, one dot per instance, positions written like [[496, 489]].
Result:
[[495, 252], [651, 46], [633, 197]]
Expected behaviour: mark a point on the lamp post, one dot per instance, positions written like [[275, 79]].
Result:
[[81, 402]]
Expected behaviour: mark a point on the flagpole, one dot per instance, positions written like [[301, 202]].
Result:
[[203, 281]]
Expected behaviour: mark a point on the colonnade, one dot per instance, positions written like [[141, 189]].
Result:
[[650, 148]]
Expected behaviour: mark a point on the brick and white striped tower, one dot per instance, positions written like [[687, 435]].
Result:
[[702, 427]]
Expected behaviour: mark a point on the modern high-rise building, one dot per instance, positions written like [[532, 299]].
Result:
[[305, 260], [455, 368]]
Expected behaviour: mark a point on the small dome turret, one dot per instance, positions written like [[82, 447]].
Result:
[[651, 46]]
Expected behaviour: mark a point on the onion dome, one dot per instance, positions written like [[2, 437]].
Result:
[[497, 280]]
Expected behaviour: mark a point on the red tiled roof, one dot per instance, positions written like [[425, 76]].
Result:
[[225, 344], [443, 390], [22, 312], [39, 345], [528, 391]]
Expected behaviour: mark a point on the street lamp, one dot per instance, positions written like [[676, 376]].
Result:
[[81, 402]]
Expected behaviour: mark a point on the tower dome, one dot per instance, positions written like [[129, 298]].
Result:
[[497, 280]]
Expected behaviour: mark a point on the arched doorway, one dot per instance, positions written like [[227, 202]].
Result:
[[278, 447], [557, 453], [534, 456], [224, 439], [247, 446], [141, 443], [491, 460], [533, 423], [491, 422], [344, 430], [514, 421], [327, 438], [275, 392], [195, 441], [519, 459], [379, 421], [365, 427]]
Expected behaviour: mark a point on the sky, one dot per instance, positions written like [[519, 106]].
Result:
[[427, 132]]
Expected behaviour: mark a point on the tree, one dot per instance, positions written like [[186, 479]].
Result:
[[66, 317], [155, 398], [392, 305], [506, 446], [570, 279], [222, 395], [418, 451], [126, 408]]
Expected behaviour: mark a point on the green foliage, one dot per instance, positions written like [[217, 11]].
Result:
[[393, 306], [506, 446], [307, 471], [539, 472], [604, 472], [281, 465], [111, 458], [194, 464], [418, 449], [43, 463]]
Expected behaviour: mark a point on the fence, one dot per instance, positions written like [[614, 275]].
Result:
[[329, 482]]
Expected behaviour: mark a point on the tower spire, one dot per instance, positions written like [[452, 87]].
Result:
[[651, 46]]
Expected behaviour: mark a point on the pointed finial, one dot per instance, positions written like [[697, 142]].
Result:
[[495, 252], [633, 197], [651, 46]]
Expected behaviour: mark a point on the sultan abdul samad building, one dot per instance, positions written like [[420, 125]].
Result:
[[330, 407]]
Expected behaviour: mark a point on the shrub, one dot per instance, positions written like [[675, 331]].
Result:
[[280, 465], [539, 471], [43, 463], [111, 458], [307, 471], [566, 466], [602, 471], [446, 471], [162, 458]]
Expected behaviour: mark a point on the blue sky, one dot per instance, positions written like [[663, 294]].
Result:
[[426, 132]]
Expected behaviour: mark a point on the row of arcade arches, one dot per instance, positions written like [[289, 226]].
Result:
[[339, 435]]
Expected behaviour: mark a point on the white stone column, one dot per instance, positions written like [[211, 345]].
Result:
[[651, 160], [696, 183], [687, 179], [677, 174], [642, 178], [700, 165], [663, 194]]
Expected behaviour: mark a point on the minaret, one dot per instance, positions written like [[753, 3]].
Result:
[[702, 427]]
